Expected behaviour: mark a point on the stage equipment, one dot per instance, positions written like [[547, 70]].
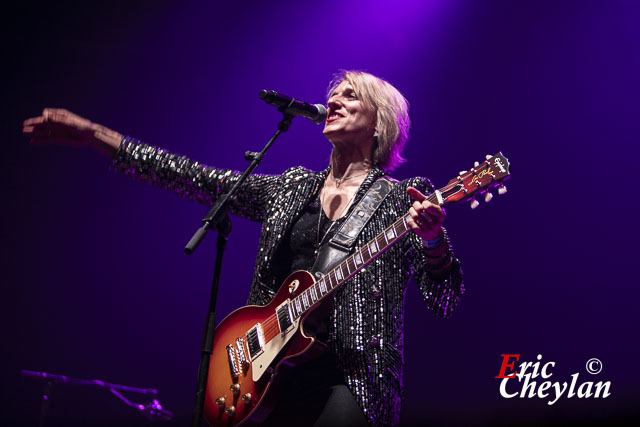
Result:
[[317, 113], [152, 410]]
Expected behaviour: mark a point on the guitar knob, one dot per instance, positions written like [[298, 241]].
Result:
[[246, 398], [488, 156], [462, 172], [235, 388], [476, 164], [474, 203], [220, 402], [293, 286], [502, 189], [230, 410], [488, 196]]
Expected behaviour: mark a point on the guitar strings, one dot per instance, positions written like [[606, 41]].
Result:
[[271, 327]]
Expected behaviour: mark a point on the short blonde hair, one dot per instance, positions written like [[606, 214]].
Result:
[[392, 115]]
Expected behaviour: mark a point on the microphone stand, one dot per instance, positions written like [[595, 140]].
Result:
[[218, 219]]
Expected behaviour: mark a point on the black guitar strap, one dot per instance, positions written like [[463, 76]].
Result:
[[339, 247]]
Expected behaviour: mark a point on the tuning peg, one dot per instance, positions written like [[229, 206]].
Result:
[[502, 189], [488, 196], [462, 172], [474, 203], [476, 164], [488, 156]]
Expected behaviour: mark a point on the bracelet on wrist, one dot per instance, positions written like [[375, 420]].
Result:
[[434, 243]]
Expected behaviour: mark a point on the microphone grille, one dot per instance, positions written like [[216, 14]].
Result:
[[322, 114]]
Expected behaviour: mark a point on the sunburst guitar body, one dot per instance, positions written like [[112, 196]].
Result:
[[253, 350]]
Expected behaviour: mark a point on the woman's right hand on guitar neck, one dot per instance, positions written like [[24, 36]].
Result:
[[59, 126]]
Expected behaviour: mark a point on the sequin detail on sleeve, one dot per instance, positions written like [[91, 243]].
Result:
[[194, 180]]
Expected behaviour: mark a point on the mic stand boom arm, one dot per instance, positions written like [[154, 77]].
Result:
[[218, 219]]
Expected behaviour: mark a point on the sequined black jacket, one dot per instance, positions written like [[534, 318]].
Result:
[[366, 323]]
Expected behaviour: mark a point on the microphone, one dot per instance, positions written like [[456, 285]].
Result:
[[316, 113]]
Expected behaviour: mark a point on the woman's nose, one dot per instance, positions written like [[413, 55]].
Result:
[[334, 103]]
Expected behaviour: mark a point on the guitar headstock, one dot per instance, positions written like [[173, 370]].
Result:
[[478, 180]]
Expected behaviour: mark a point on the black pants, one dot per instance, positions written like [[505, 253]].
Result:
[[316, 395]]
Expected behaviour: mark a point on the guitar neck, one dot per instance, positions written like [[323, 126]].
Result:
[[465, 186], [331, 281]]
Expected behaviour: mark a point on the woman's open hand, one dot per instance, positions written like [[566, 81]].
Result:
[[59, 126]]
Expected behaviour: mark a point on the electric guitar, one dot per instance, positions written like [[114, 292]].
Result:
[[255, 346]]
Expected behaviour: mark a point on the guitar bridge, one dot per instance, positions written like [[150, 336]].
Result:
[[242, 358], [233, 364]]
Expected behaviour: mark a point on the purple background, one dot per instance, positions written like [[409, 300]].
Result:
[[95, 283]]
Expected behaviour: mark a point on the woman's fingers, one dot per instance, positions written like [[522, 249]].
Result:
[[60, 126], [33, 121], [415, 194], [434, 211], [426, 218], [57, 125]]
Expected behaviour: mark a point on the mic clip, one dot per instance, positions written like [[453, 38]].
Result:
[[250, 155]]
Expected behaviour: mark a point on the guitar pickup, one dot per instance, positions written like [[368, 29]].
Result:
[[284, 317], [255, 340]]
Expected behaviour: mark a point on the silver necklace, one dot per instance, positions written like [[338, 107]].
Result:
[[339, 181]]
